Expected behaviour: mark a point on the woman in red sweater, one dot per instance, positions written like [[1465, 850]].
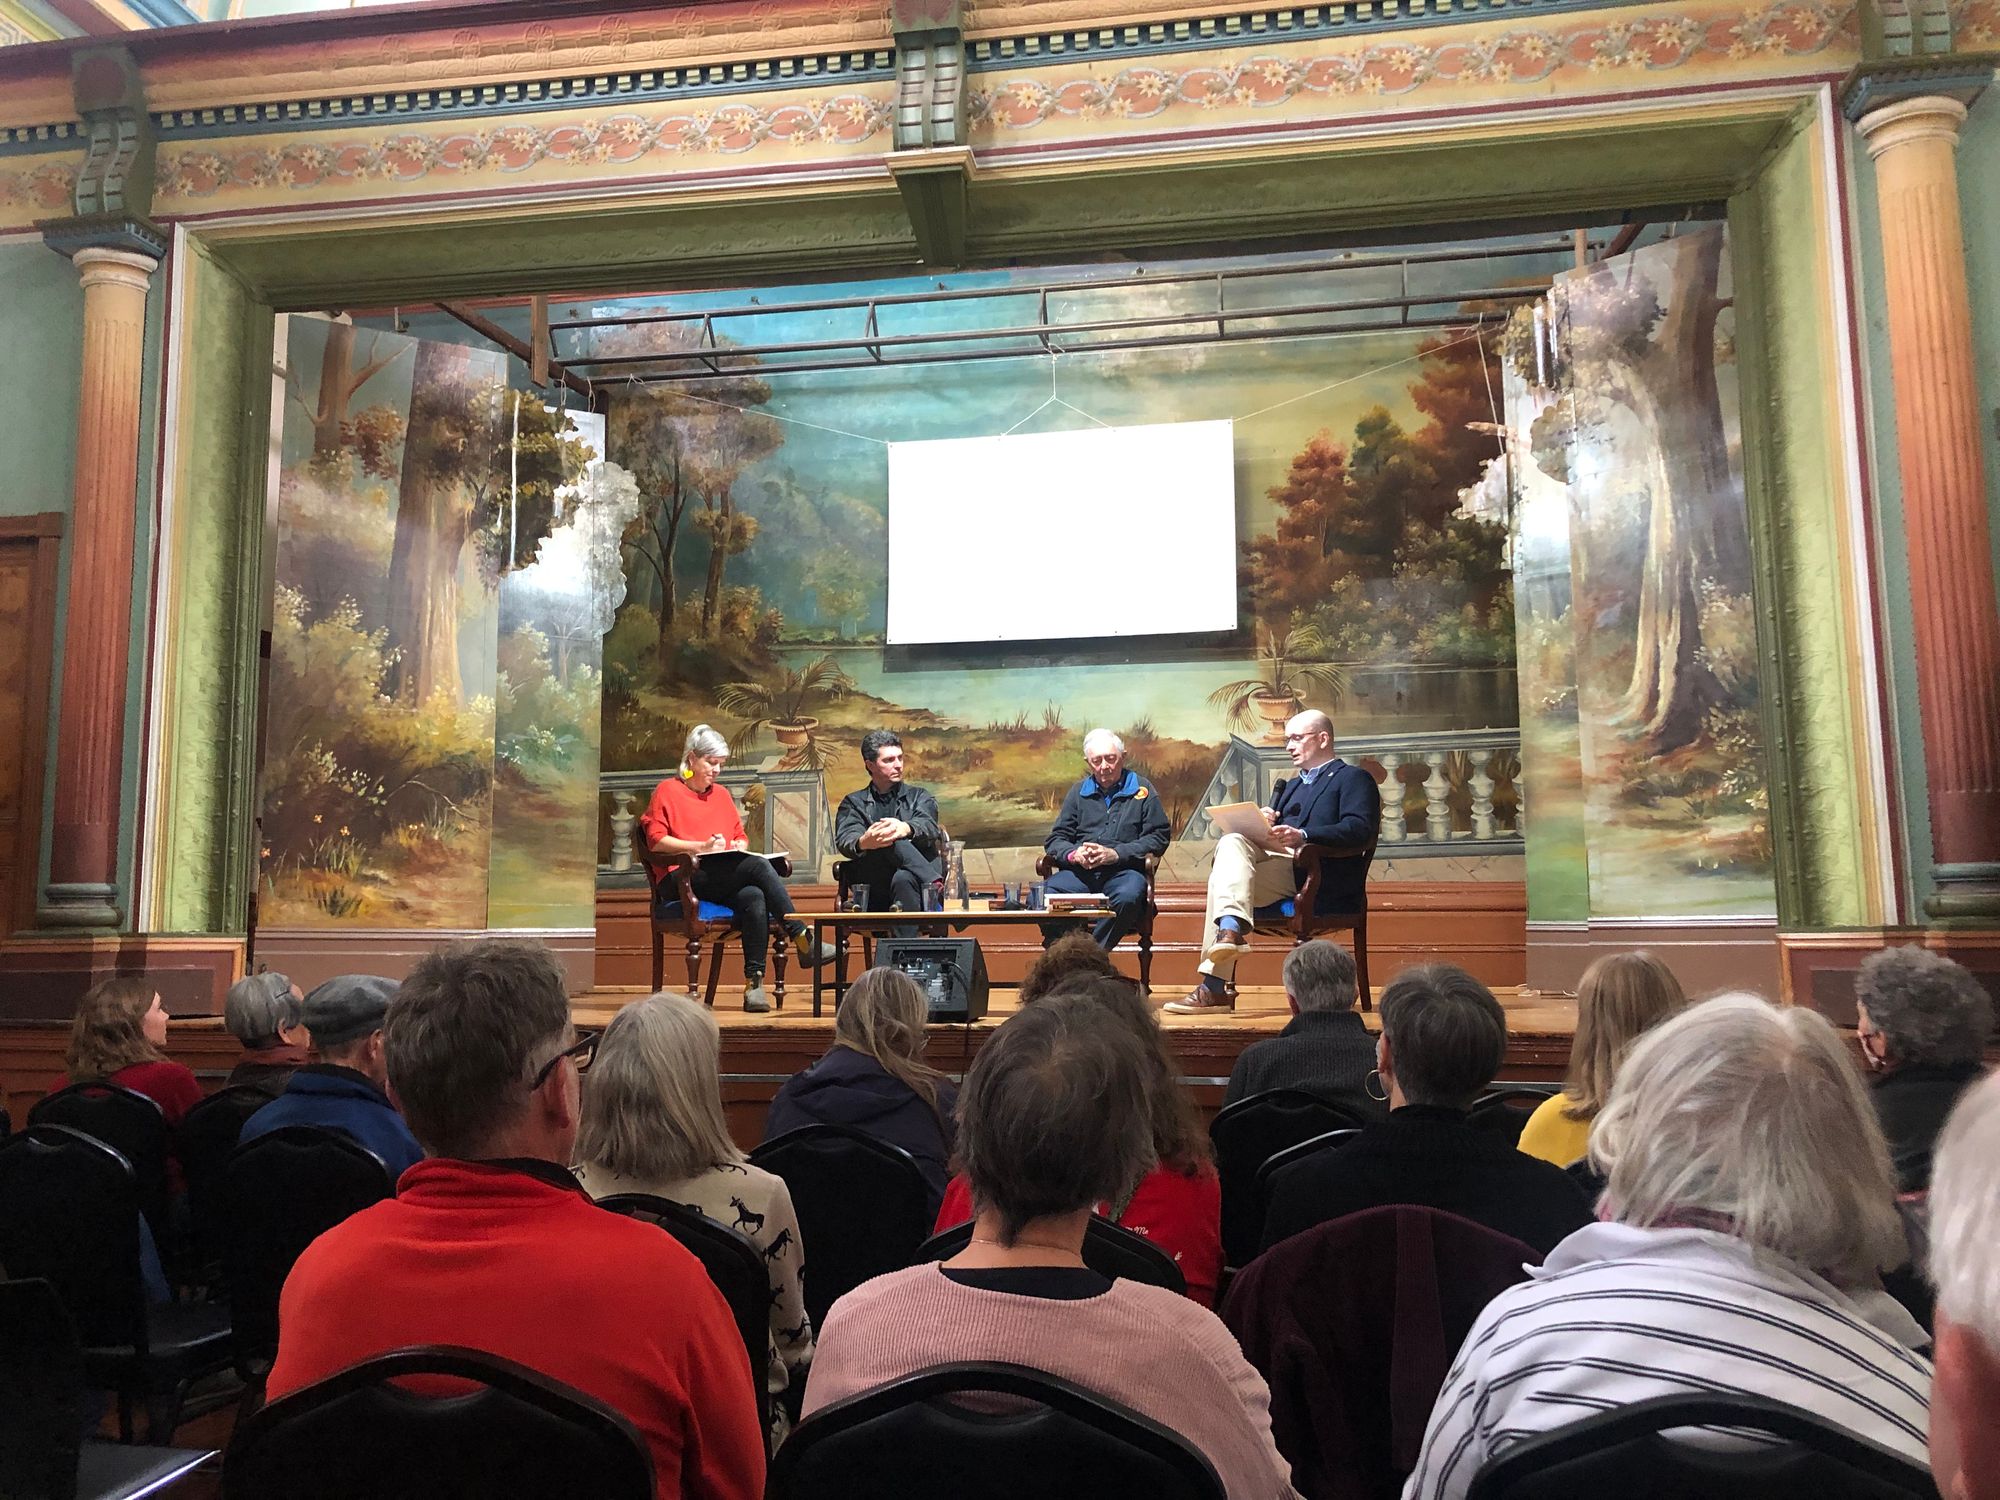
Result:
[[117, 1037], [1178, 1204]]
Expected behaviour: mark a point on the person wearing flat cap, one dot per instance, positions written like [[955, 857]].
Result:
[[347, 1089], [264, 1013]]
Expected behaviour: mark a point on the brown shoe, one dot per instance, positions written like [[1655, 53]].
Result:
[[1203, 1001], [1226, 946]]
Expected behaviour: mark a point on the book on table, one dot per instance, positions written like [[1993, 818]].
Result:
[[773, 855]]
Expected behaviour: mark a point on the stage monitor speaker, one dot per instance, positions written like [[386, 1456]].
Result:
[[950, 971]]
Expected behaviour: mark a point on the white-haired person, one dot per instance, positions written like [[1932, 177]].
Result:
[[652, 1123], [693, 814], [1748, 1215], [1110, 823], [265, 1012], [1965, 1268], [1923, 1023]]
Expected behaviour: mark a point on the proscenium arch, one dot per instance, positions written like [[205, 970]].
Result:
[[1771, 152]]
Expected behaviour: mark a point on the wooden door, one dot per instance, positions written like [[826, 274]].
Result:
[[28, 546]]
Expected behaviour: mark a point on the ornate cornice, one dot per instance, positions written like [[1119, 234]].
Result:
[[124, 232], [1955, 75]]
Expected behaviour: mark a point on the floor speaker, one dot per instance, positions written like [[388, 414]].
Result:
[[950, 971]]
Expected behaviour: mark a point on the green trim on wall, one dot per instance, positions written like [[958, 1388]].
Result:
[[208, 746], [1795, 481]]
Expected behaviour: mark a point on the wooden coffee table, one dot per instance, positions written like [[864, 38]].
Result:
[[953, 920]]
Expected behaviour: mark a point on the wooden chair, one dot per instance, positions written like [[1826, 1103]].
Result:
[[1045, 867], [693, 920], [844, 881], [1298, 916]]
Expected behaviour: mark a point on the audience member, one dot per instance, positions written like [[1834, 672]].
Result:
[[1324, 1049], [874, 1076], [1923, 1023], [1177, 1204], [1748, 1215], [492, 1245], [1055, 1118], [118, 1037], [347, 1089], [1620, 997], [1443, 1038], [1965, 1228], [653, 1123], [262, 1011], [1075, 954]]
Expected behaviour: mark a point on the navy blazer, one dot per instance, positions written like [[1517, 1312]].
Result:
[[1342, 807]]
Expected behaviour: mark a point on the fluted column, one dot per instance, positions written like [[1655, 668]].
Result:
[[1914, 143], [83, 861]]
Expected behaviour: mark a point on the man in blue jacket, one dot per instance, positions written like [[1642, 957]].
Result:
[[1327, 802], [1109, 823], [347, 1088]]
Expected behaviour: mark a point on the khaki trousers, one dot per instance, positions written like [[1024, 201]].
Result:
[[1243, 878]]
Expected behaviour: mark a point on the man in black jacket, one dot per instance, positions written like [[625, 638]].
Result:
[[1328, 802], [888, 830], [1109, 823], [1325, 1049]]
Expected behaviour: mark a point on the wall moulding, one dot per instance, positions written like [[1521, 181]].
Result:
[[41, 978], [1819, 967]]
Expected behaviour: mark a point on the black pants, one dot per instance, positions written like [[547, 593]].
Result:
[[754, 891], [896, 875]]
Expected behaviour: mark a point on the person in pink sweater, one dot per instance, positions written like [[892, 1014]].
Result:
[[1053, 1119]]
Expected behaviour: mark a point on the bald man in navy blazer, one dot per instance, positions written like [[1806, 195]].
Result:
[[1326, 801]]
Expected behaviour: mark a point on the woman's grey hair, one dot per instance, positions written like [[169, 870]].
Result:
[[1447, 1034], [1320, 976], [1750, 1118], [1053, 1118], [1965, 1214], [703, 740], [652, 1105], [259, 1007], [1102, 739], [1929, 1010]]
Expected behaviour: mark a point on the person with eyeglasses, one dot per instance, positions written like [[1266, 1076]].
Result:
[[491, 1244], [1328, 801]]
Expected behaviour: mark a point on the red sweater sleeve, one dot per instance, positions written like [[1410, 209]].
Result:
[[1183, 1216], [168, 1084], [678, 813], [957, 1205], [722, 1457]]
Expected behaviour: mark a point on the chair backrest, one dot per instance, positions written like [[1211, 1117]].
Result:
[[863, 1206], [280, 1192], [1277, 1161], [1246, 1135], [1503, 1110], [734, 1264], [204, 1142], [42, 1408], [1108, 1249], [366, 1431], [1623, 1452], [1050, 1439], [69, 1214], [125, 1120]]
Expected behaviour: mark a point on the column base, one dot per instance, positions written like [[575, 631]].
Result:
[[84, 904], [1966, 893]]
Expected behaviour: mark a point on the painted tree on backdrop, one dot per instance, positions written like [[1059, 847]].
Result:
[[370, 433]]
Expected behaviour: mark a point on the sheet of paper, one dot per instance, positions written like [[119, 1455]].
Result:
[[1246, 818]]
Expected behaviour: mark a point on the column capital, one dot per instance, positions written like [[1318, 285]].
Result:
[[126, 233], [1906, 122], [1874, 86]]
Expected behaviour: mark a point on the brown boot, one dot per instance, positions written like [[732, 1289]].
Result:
[[1203, 1001]]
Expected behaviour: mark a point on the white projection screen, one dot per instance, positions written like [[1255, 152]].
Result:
[[1099, 531]]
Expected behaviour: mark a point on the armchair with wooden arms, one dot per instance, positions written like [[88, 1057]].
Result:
[[844, 882], [684, 915], [1150, 864], [1299, 914]]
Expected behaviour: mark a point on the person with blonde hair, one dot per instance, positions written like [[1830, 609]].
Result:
[[1748, 1215], [652, 1123], [1620, 997], [693, 816], [119, 1036], [874, 1077]]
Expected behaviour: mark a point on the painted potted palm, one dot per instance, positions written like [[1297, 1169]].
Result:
[[1287, 671], [781, 705]]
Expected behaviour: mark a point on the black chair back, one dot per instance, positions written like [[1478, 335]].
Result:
[[1623, 1453], [1108, 1249], [42, 1410], [1053, 1441], [204, 1142], [128, 1122], [515, 1435], [1246, 1135], [863, 1206], [734, 1264], [280, 1192], [69, 1214], [1277, 1161], [1503, 1110]]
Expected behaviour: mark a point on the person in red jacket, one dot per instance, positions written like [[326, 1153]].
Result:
[[1178, 1204], [118, 1037], [492, 1245]]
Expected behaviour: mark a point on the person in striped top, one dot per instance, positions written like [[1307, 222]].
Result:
[[1749, 1213]]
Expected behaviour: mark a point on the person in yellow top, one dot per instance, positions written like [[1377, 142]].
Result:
[[1620, 997]]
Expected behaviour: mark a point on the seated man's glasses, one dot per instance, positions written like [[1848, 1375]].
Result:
[[582, 1050]]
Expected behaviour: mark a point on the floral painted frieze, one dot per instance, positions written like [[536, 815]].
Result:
[[33, 191]]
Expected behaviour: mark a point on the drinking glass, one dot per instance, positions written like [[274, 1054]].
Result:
[[857, 898], [1010, 895], [1038, 896]]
